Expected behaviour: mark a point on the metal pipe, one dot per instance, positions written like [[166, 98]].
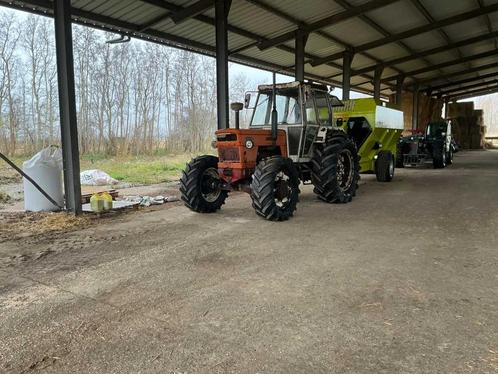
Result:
[[274, 113]]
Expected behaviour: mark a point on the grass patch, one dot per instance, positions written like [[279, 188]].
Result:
[[130, 169], [142, 169]]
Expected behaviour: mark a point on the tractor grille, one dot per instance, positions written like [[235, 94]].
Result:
[[226, 137], [229, 154]]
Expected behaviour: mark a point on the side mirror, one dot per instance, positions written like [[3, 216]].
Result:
[[247, 100]]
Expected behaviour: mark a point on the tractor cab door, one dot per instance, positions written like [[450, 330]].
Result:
[[318, 113]]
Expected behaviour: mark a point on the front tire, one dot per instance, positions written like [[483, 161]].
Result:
[[275, 188], [439, 157], [384, 166], [335, 168], [200, 185]]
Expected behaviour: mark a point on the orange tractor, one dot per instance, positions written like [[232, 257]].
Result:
[[291, 139]]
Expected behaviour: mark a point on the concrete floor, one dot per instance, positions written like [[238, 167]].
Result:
[[402, 280]]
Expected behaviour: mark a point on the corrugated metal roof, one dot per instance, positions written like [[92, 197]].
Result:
[[253, 21]]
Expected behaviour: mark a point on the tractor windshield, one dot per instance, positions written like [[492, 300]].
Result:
[[436, 129], [288, 109]]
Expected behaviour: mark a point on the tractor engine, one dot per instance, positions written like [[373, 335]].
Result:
[[239, 151]]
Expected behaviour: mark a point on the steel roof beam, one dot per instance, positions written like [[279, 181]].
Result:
[[378, 28], [236, 30], [490, 53], [463, 81], [413, 32], [488, 21], [191, 11], [89, 19], [431, 51], [300, 24], [304, 26], [475, 93], [468, 87], [421, 8], [428, 82], [328, 21]]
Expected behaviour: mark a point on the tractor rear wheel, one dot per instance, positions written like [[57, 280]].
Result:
[[335, 168], [200, 185], [384, 166], [439, 157], [275, 188]]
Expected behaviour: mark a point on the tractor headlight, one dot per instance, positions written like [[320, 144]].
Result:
[[249, 143]]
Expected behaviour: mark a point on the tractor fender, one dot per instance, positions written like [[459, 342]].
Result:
[[321, 135]]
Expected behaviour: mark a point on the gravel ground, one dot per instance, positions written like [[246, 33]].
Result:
[[402, 280]]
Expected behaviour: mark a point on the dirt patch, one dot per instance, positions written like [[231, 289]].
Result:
[[7, 179], [4, 198], [18, 225]]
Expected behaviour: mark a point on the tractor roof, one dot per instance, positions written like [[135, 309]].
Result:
[[290, 86]]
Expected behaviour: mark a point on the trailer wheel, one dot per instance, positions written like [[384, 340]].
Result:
[[384, 166], [200, 185], [275, 188], [439, 157], [335, 168]]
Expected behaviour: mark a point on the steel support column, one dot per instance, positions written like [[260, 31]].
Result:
[[222, 7], [67, 104], [376, 82], [301, 39], [347, 59], [446, 108], [415, 108], [399, 90]]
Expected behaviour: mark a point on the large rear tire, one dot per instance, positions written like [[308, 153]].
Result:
[[335, 168], [439, 157], [200, 185], [275, 188], [384, 166]]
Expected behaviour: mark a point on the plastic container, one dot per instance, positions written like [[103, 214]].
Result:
[[107, 199], [45, 168], [97, 203]]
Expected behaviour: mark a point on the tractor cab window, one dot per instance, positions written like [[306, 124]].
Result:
[[436, 129], [287, 105], [323, 108], [359, 129], [311, 117]]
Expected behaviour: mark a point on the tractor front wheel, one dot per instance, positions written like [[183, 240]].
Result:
[[200, 185], [335, 168], [275, 188], [439, 157], [384, 166]]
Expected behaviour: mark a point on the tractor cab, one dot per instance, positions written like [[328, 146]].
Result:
[[301, 110]]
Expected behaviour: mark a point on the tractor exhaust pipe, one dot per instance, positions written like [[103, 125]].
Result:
[[237, 107], [274, 114]]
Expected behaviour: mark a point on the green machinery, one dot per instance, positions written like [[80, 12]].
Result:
[[376, 130]]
